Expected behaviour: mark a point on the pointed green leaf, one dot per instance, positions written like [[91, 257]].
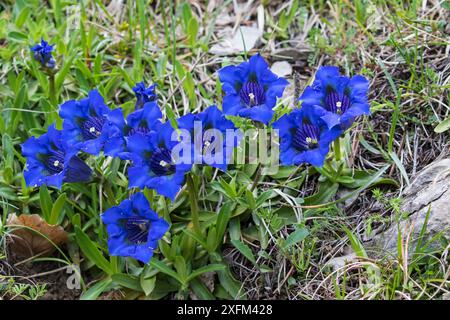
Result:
[[244, 249], [91, 251]]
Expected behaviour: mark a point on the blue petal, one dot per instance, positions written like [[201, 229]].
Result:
[[73, 109], [329, 136], [285, 123], [258, 65], [140, 145], [325, 75], [167, 186], [158, 229], [258, 113], [117, 245], [152, 113], [97, 103], [140, 202], [311, 97], [230, 75], [144, 252], [359, 86], [127, 206], [231, 104], [75, 170], [275, 90], [314, 157], [55, 180], [214, 118], [93, 146], [186, 122], [32, 147], [113, 215], [354, 111], [287, 156], [331, 119], [138, 176], [115, 117], [33, 176], [116, 147], [165, 136]]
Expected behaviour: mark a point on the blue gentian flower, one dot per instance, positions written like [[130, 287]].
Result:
[[154, 164], [143, 94], [140, 122], [134, 228], [304, 138], [251, 89], [85, 122], [337, 99], [208, 131], [51, 161], [42, 52]]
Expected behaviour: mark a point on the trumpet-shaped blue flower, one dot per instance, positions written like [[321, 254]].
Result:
[[304, 138], [51, 161], [155, 166], [251, 89], [134, 228], [337, 99], [42, 52], [143, 94], [85, 122], [140, 122], [208, 132]]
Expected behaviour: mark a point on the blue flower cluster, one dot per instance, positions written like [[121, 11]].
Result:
[[329, 107], [134, 228], [52, 161], [144, 94], [251, 91], [42, 52]]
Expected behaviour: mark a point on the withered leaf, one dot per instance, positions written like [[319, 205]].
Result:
[[27, 243]]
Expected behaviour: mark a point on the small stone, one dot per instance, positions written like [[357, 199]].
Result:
[[298, 53], [429, 192], [340, 262], [234, 44], [282, 68]]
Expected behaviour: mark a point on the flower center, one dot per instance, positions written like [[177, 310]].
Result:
[[137, 229], [336, 103], [252, 94], [161, 162], [55, 162], [141, 130], [209, 147], [92, 127], [306, 137]]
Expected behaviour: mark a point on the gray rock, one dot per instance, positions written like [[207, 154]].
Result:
[[281, 68], [430, 191], [341, 262], [298, 54], [234, 43]]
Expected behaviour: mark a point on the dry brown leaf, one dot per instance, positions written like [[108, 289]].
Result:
[[26, 242]]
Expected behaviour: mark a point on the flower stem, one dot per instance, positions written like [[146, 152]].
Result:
[[51, 92], [194, 204], [257, 177], [337, 149]]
